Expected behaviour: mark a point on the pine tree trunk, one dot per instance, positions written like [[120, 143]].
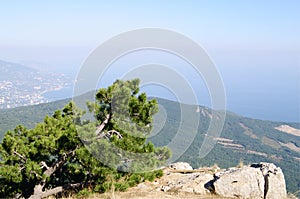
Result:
[[38, 192]]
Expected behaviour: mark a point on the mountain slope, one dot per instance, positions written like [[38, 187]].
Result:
[[12, 70], [242, 139]]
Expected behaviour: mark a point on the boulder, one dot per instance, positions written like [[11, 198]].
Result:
[[200, 181], [263, 180], [275, 187], [186, 182], [181, 166], [193, 183], [245, 182]]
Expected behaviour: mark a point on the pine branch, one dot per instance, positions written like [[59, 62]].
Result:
[[103, 124], [114, 132], [20, 156], [44, 165], [109, 134]]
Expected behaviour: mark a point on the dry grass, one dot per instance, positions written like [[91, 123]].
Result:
[[257, 153], [270, 142], [134, 194], [248, 131], [291, 146], [152, 195], [288, 129], [240, 164]]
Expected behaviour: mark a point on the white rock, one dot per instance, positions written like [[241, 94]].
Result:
[[181, 166], [246, 182], [165, 188], [274, 179], [141, 186], [263, 180], [200, 181]]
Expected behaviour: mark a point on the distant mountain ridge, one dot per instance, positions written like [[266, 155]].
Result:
[[9, 70], [242, 139]]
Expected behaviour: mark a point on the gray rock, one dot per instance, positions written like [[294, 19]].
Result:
[[245, 182], [190, 182], [181, 166], [263, 180], [141, 186], [165, 188], [200, 181], [258, 181], [275, 187]]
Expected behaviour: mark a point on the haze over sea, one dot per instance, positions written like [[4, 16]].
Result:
[[255, 44], [268, 92]]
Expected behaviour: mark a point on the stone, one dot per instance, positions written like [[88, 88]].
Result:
[[181, 166], [245, 182], [165, 188], [257, 181], [188, 190], [200, 181], [263, 180], [155, 182], [141, 186], [275, 187]]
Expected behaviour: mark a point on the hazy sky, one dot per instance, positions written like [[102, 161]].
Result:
[[255, 44], [230, 23]]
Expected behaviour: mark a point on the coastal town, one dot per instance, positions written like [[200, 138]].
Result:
[[19, 87]]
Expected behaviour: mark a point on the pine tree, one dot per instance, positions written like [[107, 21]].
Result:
[[64, 153], [125, 118]]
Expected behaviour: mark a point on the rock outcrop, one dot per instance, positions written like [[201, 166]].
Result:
[[263, 180], [275, 186], [191, 182], [257, 181], [245, 182]]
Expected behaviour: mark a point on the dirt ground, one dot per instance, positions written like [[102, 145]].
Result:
[[133, 194]]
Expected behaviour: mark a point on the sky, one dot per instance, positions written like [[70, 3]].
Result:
[[254, 44]]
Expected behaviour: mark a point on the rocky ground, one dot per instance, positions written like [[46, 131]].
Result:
[[180, 180], [154, 195]]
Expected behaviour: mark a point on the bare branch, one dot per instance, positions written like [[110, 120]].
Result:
[[58, 164], [109, 134], [38, 193], [35, 173], [44, 165], [60, 189], [20, 156], [114, 132], [103, 124]]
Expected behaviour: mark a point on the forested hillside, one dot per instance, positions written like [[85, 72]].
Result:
[[242, 139]]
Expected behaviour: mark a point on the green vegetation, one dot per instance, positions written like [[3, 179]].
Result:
[[251, 134], [29, 116], [65, 153]]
